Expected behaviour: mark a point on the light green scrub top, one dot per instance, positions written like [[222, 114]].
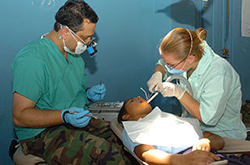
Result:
[[216, 85], [42, 74]]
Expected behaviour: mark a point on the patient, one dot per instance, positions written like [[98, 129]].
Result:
[[136, 108]]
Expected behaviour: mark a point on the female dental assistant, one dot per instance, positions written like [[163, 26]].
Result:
[[216, 99]]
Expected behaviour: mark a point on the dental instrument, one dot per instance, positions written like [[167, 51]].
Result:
[[145, 93], [152, 97], [100, 94], [100, 102], [89, 115], [169, 79]]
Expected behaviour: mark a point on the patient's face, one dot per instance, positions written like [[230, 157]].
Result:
[[137, 108]]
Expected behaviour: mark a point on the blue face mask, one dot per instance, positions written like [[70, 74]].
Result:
[[175, 71]]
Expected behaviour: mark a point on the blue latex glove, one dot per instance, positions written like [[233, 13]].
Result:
[[76, 117], [96, 93]]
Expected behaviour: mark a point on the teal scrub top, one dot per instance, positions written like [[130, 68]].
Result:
[[43, 75], [216, 85]]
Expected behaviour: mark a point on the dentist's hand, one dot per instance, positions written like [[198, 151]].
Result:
[[168, 89], [154, 82], [96, 92], [75, 116]]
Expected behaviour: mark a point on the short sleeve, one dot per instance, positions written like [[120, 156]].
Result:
[[161, 62], [29, 77]]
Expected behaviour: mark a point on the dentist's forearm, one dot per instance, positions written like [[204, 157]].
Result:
[[25, 115], [36, 118]]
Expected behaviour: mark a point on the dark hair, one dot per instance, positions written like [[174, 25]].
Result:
[[73, 13], [122, 112]]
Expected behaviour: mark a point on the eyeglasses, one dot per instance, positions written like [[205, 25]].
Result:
[[91, 41], [173, 66]]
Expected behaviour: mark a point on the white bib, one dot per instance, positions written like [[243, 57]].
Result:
[[164, 129]]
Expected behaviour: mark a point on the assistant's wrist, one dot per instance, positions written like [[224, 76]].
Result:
[[178, 92], [181, 95], [158, 74]]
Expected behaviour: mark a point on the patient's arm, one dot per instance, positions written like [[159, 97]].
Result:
[[153, 156], [216, 142]]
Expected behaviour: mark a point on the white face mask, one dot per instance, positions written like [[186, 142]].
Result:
[[80, 47]]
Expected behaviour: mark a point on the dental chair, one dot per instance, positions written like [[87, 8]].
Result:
[[117, 128], [232, 146], [16, 154]]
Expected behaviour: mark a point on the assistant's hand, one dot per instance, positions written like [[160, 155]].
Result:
[[154, 82], [168, 89], [96, 92], [75, 116]]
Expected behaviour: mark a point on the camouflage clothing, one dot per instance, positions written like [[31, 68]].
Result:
[[64, 144]]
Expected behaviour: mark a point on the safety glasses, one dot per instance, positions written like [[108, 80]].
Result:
[[173, 66], [90, 42]]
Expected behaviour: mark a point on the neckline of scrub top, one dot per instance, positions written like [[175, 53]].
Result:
[[49, 41]]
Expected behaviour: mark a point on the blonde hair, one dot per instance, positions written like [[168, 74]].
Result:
[[183, 42]]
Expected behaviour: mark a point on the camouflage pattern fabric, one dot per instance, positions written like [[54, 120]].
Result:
[[63, 144]]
